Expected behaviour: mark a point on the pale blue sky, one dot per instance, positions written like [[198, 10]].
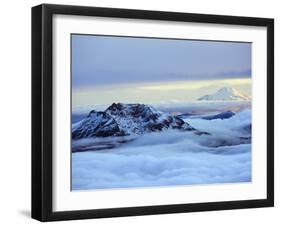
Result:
[[105, 60]]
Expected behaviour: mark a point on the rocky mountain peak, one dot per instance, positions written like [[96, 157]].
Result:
[[127, 119]]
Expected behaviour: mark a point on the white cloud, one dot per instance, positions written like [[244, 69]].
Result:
[[168, 158]]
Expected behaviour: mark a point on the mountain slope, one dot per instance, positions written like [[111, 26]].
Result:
[[99, 124], [223, 115], [127, 119], [226, 94]]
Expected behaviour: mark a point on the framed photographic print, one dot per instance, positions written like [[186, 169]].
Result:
[[145, 112]]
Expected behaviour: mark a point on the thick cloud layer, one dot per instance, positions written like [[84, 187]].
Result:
[[169, 158]]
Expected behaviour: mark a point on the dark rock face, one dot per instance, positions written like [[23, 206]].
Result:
[[97, 124], [223, 115], [141, 118], [125, 119], [142, 111]]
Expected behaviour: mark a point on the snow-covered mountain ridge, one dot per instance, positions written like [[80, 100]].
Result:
[[127, 119], [226, 94]]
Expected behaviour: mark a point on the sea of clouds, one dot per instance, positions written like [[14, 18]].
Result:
[[169, 158]]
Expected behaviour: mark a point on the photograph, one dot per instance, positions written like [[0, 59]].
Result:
[[152, 112]]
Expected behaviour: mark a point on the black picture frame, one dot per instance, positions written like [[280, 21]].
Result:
[[42, 107]]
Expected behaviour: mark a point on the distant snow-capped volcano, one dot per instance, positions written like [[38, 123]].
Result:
[[226, 94]]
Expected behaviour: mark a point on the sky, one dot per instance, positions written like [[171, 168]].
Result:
[[108, 69]]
